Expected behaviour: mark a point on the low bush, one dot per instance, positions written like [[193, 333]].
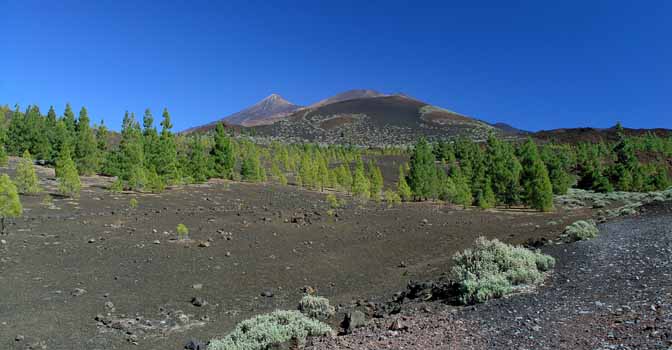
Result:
[[133, 203], [492, 269], [316, 307], [334, 203], [182, 231], [582, 230], [259, 332], [392, 198]]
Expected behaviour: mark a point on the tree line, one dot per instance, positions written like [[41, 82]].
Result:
[[509, 173]]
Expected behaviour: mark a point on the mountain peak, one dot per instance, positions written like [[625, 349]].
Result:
[[348, 95]]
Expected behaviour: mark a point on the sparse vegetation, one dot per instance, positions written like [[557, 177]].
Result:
[[259, 332], [26, 177], [10, 204], [333, 201], [392, 198], [316, 307], [582, 230], [492, 269], [69, 183], [133, 203], [182, 232]]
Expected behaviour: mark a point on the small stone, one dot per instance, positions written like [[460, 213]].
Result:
[[195, 345], [203, 244], [3, 242], [397, 325], [267, 294], [92, 240], [198, 301], [197, 286], [109, 306], [353, 320], [77, 292], [156, 241], [19, 338]]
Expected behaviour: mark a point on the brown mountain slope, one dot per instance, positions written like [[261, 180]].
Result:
[[376, 121]]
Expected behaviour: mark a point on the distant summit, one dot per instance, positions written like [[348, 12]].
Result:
[[347, 95], [270, 107]]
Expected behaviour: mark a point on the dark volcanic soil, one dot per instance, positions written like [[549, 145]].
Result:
[[613, 292], [65, 266]]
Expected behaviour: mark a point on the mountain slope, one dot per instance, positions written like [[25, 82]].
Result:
[[347, 95], [375, 121], [264, 111]]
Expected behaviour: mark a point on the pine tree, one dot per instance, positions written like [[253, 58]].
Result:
[[423, 171], [10, 204], [487, 199], [131, 154], [166, 157], [403, 188], [101, 138], [462, 193], [505, 171], [375, 180], [251, 168], [67, 176], [536, 183], [17, 135], [198, 162], [223, 154], [150, 140], [86, 148], [26, 177], [4, 158], [69, 120], [51, 123], [360, 184]]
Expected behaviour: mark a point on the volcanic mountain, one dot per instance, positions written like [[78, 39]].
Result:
[[361, 117], [265, 111], [375, 120]]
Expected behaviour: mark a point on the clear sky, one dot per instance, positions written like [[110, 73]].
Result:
[[533, 64]]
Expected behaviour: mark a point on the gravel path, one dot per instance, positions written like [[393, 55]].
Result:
[[613, 292]]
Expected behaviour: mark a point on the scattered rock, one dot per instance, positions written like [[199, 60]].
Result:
[[156, 241], [397, 325], [197, 286], [198, 301], [19, 338], [203, 244], [267, 294], [77, 292], [92, 240], [109, 306], [195, 345], [352, 320]]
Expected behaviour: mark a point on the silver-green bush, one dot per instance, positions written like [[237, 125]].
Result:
[[316, 307], [492, 269], [582, 230], [261, 331]]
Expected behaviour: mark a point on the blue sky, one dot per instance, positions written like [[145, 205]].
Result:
[[532, 64]]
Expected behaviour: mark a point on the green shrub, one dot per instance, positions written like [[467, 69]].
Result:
[[492, 269], [133, 203], [334, 203], [26, 177], [392, 198], [182, 231], [316, 307], [117, 186], [582, 230], [259, 332]]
